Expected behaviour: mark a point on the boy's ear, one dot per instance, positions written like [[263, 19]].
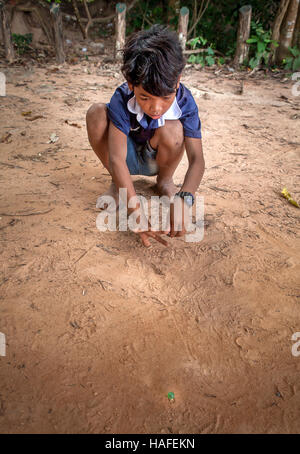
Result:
[[178, 82], [130, 86]]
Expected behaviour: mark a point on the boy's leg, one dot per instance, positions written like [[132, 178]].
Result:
[[97, 129], [168, 140]]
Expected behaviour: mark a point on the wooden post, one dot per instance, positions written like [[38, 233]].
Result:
[[287, 30], [58, 33], [296, 38], [276, 27], [242, 48], [183, 26], [5, 16], [120, 29]]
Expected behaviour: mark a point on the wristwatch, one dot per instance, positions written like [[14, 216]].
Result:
[[187, 197]]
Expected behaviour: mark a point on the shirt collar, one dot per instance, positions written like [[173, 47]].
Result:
[[173, 113]]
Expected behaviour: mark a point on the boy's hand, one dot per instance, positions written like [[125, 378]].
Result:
[[145, 232], [179, 215], [145, 236]]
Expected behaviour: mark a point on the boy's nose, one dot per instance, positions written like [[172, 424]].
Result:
[[155, 109]]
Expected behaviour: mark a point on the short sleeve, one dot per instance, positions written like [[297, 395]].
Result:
[[190, 117], [117, 110]]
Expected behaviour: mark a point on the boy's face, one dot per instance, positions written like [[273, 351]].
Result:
[[153, 106]]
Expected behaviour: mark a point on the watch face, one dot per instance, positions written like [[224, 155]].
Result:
[[188, 200]]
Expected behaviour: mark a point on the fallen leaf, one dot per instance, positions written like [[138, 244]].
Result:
[[288, 196], [26, 114], [36, 117], [72, 124], [5, 138]]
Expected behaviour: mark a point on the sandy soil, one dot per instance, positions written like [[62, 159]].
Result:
[[98, 328]]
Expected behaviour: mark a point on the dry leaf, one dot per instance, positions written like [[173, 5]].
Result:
[[26, 114], [36, 117], [288, 196], [72, 124], [5, 138]]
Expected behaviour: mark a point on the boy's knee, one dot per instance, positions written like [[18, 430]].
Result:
[[171, 134], [96, 113]]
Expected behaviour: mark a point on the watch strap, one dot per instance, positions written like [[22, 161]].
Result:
[[184, 194]]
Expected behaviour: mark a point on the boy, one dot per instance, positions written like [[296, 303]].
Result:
[[148, 123]]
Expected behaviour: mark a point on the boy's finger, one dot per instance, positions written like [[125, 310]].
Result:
[[144, 239], [158, 238]]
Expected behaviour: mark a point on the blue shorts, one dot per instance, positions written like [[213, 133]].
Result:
[[141, 159]]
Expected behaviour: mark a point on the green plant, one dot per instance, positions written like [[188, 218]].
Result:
[[22, 42], [207, 55], [261, 41], [292, 62]]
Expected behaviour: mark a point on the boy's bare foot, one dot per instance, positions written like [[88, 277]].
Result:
[[112, 192], [166, 187]]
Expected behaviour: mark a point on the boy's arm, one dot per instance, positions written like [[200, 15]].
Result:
[[191, 182], [195, 171], [117, 149]]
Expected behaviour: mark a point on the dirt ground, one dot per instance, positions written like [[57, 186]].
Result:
[[98, 328]]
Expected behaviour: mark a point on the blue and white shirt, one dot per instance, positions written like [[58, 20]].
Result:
[[127, 115]]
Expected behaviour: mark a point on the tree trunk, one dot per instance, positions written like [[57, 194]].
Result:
[[5, 16], [276, 27], [58, 33], [296, 37], [183, 26], [76, 11], [90, 20], [120, 29], [198, 16], [194, 18], [287, 30], [242, 48]]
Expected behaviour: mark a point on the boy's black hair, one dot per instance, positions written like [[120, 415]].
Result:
[[153, 58]]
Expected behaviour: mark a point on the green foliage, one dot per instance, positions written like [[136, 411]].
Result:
[[144, 14], [292, 62], [206, 57], [260, 40], [219, 23], [22, 42]]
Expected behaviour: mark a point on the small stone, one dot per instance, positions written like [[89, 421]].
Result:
[[245, 214]]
